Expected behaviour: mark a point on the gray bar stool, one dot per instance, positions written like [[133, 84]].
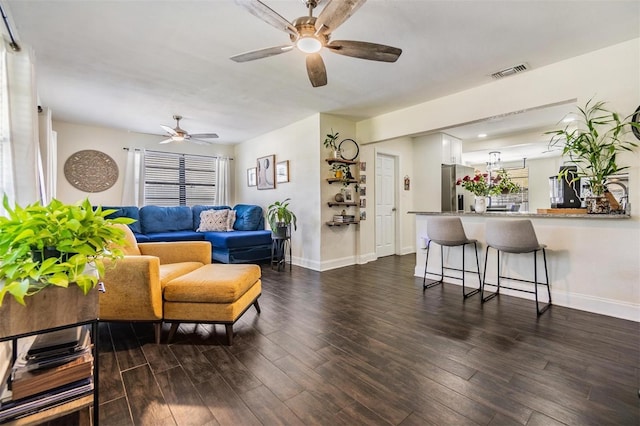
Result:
[[517, 237], [448, 232]]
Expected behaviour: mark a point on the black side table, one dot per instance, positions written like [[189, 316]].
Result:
[[279, 247]]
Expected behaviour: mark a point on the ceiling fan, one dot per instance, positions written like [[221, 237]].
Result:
[[310, 34], [180, 135]]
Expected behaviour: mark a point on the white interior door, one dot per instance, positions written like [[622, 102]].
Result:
[[385, 205]]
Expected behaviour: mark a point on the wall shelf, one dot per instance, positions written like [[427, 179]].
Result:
[[337, 204], [340, 160], [332, 180], [343, 223]]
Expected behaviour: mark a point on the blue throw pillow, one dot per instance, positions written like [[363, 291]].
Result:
[[248, 217]]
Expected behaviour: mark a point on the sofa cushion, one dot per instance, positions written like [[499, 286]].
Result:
[[126, 211], [141, 238], [213, 284], [248, 217], [213, 220], [237, 239], [175, 236], [155, 219], [197, 209], [171, 271]]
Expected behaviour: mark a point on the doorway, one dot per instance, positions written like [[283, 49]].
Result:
[[385, 205]]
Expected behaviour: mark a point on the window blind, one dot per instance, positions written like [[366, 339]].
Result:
[[172, 179]]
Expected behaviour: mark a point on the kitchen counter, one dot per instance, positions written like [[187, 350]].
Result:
[[594, 260], [526, 215]]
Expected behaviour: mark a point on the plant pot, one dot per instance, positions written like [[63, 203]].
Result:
[[282, 231], [51, 307], [480, 204], [598, 205], [338, 174]]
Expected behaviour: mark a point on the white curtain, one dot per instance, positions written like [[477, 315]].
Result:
[[222, 181], [133, 189], [18, 125]]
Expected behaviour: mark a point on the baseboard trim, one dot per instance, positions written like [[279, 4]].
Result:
[[595, 305]]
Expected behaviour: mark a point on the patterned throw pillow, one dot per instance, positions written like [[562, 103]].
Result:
[[231, 219], [213, 220]]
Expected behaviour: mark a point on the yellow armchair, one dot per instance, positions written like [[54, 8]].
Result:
[[134, 284]]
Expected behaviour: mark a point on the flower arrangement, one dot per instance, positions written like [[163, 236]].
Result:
[[481, 185]]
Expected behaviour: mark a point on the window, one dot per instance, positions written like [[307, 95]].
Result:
[[179, 179]]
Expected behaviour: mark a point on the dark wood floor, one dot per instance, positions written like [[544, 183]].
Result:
[[364, 345]]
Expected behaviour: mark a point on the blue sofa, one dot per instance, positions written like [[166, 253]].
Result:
[[248, 242]]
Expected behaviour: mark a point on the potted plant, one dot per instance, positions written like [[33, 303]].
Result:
[[330, 142], [280, 218], [592, 142], [482, 186], [55, 245]]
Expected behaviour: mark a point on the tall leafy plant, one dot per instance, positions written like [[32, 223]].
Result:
[[593, 141], [279, 213], [44, 245]]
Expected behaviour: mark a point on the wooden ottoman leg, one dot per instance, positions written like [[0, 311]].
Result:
[[229, 328], [172, 331], [257, 306], [157, 328]]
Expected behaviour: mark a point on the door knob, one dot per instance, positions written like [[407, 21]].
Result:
[[393, 209]]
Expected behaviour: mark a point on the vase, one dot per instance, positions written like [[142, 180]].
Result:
[[598, 205], [480, 204]]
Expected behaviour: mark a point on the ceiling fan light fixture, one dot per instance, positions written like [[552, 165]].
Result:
[[309, 44]]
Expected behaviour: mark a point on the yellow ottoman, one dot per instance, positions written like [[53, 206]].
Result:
[[213, 294]]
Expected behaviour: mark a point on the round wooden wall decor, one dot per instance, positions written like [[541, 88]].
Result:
[[91, 171]]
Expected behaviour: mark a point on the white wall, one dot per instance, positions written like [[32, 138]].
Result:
[[300, 144], [76, 137]]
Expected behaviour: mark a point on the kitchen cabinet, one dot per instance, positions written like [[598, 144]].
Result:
[[451, 149]]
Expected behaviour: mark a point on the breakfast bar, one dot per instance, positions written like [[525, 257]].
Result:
[[593, 260]]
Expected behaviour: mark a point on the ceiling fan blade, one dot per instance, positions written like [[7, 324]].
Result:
[[365, 50], [262, 53], [168, 130], [335, 13], [200, 141], [166, 141], [268, 15], [316, 70], [204, 136]]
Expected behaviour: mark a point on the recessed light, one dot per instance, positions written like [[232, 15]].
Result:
[[482, 135]]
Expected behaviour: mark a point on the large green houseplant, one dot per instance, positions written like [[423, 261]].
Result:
[[55, 245], [592, 142], [280, 217]]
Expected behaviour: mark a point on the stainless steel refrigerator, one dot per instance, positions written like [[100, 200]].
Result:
[[455, 198]]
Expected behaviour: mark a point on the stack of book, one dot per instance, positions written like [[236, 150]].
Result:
[[343, 218], [57, 366]]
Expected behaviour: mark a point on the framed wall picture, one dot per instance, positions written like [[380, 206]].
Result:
[[282, 171], [266, 172], [251, 177]]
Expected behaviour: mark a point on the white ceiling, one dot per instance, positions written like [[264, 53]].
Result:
[[133, 64]]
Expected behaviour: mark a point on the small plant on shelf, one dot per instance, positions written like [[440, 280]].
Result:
[[330, 143]]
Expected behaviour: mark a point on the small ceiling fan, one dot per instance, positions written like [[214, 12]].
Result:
[[310, 34], [180, 135]]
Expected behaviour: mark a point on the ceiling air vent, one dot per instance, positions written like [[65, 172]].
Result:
[[510, 71]]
